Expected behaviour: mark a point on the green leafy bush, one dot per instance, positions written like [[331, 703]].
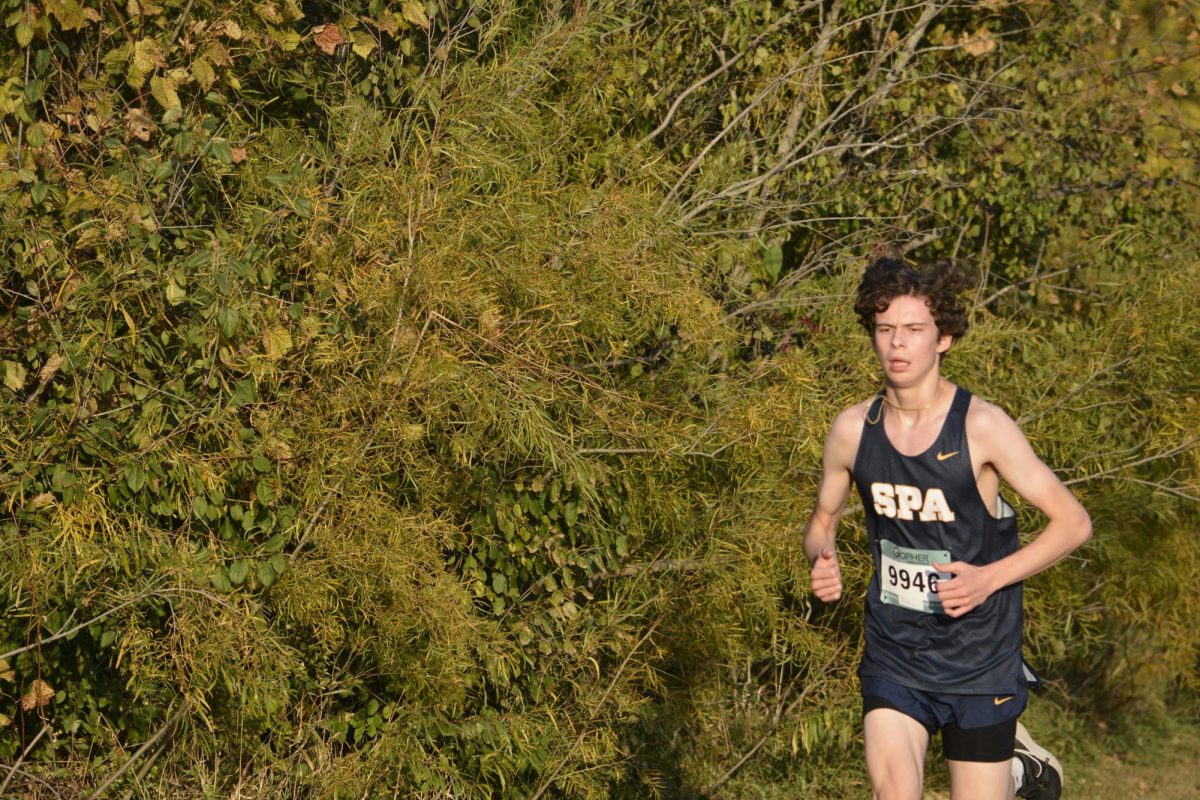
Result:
[[422, 398]]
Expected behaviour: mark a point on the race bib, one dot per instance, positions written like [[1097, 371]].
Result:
[[907, 579]]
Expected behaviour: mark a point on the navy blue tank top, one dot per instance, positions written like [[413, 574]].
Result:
[[931, 501]]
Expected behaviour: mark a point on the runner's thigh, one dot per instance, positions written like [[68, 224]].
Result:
[[980, 780], [895, 745]]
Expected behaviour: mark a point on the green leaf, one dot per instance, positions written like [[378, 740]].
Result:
[[265, 573], [622, 544], [499, 583], [33, 91], [220, 580], [135, 478], [262, 463], [279, 563], [228, 322], [221, 151], [238, 571], [773, 260], [274, 544]]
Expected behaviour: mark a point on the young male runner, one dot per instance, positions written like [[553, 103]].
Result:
[[943, 610]]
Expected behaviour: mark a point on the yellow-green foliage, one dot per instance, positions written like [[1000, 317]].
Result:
[[393, 407]]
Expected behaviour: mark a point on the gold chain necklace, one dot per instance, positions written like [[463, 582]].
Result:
[[941, 388]]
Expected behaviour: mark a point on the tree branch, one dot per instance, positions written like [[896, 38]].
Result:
[[545, 785], [16, 767], [65, 633], [166, 727], [1182, 448], [716, 73]]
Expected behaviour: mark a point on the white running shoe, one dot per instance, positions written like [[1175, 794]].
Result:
[[1043, 773]]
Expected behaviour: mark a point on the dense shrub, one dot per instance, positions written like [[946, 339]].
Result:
[[425, 399]]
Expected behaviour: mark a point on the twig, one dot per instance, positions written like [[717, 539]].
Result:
[[183, 18], [79, 627], [1182, 448], [779, 717], [316, 516], [541, 790], [921, 241], [1162, 487], [21, 122], [716, 73], [13, 769], [660, 566], [1001, 292], [146, 745], [144, 769]]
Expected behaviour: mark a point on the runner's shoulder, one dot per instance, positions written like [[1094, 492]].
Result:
[[846, 430], [988, 421]]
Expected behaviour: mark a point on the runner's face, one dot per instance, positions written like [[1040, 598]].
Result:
[[907, 341]]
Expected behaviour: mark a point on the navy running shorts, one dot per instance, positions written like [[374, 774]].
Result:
[[974, 727]]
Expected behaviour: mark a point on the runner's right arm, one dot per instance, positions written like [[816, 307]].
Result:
[[820, 533]]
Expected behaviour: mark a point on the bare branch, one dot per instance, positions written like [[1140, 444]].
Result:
[[716, 73], [28, 748], [1160, 487], [1174, 451], [71, 632], [172, 720], [545, 785], [781, 713]]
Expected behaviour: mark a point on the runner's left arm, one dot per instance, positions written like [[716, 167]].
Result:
[[1069, 526]]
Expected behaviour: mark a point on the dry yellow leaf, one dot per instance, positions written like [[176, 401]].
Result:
[[148, 55], [276, 342], [39, 501], [363, 43], [228, 28], [52, 365], [39, 694], [269, 12], [14, 375], [327, 38], [388, 23], [979, 43], [414, 12], [278, 449], [164, 91], [218, 54]]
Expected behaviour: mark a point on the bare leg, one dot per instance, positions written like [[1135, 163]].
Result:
[[895, 745], [981, 780]]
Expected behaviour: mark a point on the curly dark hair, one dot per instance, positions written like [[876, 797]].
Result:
[[888, 278]]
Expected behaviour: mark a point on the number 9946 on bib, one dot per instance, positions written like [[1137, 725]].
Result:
[[908, 579]]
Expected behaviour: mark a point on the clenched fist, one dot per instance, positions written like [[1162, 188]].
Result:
[[827, 576]]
